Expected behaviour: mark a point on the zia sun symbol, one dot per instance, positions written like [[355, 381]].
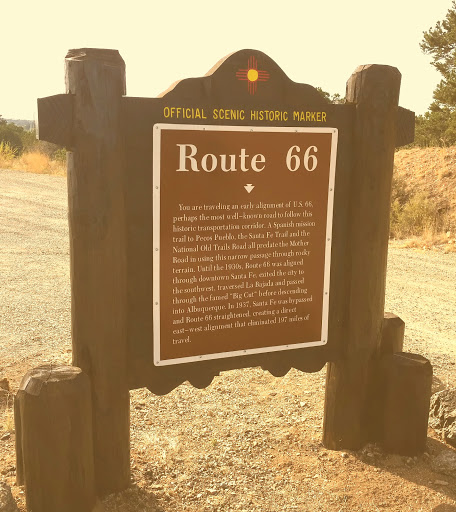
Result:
[[252, 75]]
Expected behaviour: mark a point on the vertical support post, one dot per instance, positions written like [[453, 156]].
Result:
[[374, 89], [392, 334], [54, 441], [96, 78]]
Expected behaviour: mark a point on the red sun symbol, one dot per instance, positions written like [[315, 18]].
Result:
[[252, 75]]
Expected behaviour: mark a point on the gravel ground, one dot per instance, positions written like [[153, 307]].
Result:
[[249, 442], [34, 270], [421, 289]]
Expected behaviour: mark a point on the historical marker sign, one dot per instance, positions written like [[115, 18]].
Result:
[[242, 239], [234, 256], [239, 228]]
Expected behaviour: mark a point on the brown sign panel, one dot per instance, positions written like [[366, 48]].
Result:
[[242, 232]]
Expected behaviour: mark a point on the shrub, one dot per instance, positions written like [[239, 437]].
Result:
[[417, 216], [35, 162], [399, 189], [10, 134], [7, 154], [60, 156]]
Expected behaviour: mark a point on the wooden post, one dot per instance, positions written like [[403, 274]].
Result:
[[96, 79], [374, 90], [406, 384], [392, 334], [54, 448], [392, 341]]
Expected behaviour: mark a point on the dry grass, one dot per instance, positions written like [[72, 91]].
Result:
[[424, 198], [7, 421], [429, 241], [39, 163], [6, 409], [34, 162]]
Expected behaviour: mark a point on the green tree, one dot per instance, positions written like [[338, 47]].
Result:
[[438, 125], [332, 98], [11, 134]]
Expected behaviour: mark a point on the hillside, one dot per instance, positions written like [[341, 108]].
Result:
[[426, 177]]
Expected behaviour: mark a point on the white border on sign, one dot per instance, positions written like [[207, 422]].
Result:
[[156, 238]]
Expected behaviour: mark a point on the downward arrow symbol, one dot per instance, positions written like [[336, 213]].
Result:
[[249, 187]]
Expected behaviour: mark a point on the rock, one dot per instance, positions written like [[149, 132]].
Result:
[[441, 482], [445, 462], [442, 415], [7, 503]]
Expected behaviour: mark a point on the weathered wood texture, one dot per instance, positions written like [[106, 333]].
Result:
[[393, 330], [221, 88], [392, 341], [55, 119], [96, 78], [406, 382], [374, 90], [405, 127], [54, 444]]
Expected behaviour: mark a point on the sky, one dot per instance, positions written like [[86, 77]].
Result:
[[318, 43]]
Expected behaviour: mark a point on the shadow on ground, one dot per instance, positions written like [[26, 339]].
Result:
[[419, 472], [133, 499], [438, 385]]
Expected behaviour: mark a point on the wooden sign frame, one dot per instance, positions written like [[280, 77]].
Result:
[[110, 160], [281, 103]]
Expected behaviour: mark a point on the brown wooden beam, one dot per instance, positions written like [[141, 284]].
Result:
[[392, 334], [54, 443], [374, 90], [55, 119], [405, 127], [96, 78]]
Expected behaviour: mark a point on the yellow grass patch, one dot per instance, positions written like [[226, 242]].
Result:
[[7, 154], [35, 162], [38, 163]]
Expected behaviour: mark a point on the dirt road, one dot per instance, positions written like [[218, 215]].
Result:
[[34, 270], [421, 289], [248, 442]]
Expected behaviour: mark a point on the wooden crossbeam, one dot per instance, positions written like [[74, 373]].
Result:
[[55, 119], [405, 127]]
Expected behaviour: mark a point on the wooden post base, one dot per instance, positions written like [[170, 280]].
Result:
[[406, 380], [393, 330], [54, 443]]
